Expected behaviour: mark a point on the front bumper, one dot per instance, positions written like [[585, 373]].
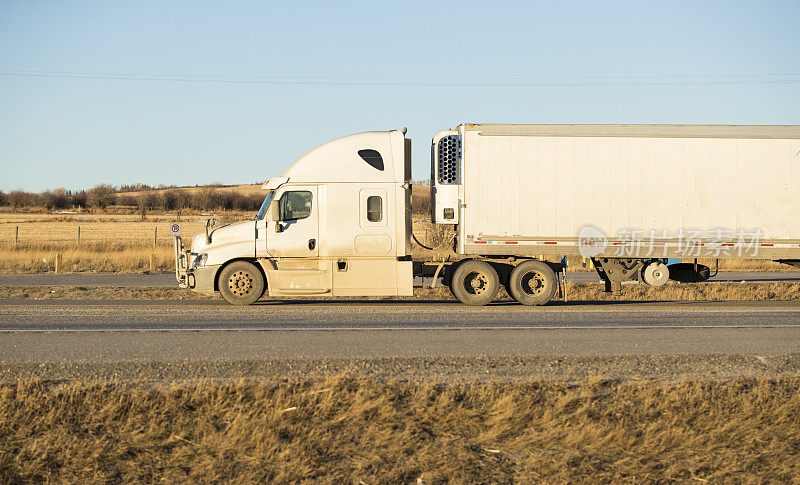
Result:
[[181, 264], [200, 279]]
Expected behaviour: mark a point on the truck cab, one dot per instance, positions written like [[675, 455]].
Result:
[[337, 222]]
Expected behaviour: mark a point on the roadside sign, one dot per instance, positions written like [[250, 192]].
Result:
[[175, 229]]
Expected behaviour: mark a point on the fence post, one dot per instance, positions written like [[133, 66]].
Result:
[[79, 235], [16, 235], [155, 236], [152, 263], [58, 263]]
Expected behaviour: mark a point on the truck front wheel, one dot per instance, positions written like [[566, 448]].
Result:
[[532, 283], [475, 283], [241, 283]]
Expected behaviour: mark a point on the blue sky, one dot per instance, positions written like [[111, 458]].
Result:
[[244, 88]]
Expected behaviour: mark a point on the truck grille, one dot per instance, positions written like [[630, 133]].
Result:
[[449, 156]]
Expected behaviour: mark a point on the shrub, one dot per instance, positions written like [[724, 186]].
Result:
[[169, 200], [56, 199], [183, 199], [18, 198], [101, 196], [205, 199], [79, 199], [128, 200], [151, 200]]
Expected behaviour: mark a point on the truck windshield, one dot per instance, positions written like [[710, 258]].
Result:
[[263, 210]]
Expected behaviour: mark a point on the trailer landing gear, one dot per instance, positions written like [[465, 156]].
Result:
[[613, 271]]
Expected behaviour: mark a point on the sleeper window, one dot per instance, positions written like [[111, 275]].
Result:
[[373, 158], [374, 208], [295, 205]]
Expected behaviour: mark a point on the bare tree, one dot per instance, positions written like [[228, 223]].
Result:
[[18, 198], [101, 196], [206, 199]]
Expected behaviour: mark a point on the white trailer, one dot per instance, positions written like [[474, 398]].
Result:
[[628, 195], [338, 221]]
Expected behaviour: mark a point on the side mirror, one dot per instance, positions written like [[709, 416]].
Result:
[[273, 213], [278, 226]]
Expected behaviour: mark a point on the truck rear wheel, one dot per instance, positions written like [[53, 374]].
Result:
[[475, 283], [532, 283], [241, 283]]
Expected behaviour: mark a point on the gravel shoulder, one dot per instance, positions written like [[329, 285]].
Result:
[[559, 368]]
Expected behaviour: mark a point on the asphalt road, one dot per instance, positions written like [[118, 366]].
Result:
[[100, 332], [168, 280]]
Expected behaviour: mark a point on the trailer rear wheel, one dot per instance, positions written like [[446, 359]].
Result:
[[475, 283], [241, 283], [532, 283]]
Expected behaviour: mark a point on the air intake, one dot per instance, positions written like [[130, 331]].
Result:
[[449, 157]]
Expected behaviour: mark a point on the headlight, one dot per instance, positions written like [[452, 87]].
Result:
[[200, 260]]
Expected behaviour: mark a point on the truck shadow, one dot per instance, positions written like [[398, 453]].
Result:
[[442, 301], [349, 301]]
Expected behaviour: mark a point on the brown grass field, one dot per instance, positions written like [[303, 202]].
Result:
[[346, 430], [118, 240], [109, 242], [122, 242]]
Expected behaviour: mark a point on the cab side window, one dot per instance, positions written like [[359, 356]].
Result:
[[374, 208], [295, 205]]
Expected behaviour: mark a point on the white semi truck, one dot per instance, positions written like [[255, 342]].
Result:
[[338, 221]]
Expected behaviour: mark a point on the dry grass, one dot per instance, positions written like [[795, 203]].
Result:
[[50, 230], [340, 430], [99, 257], [108, 243], [98, 293], [119, 242], [746, 265], [689, 292]]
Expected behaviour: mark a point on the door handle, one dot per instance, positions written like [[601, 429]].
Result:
[[312, 243]]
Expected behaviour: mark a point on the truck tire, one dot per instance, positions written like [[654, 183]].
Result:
[[241, 283], [475, 283], [532, 283]]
